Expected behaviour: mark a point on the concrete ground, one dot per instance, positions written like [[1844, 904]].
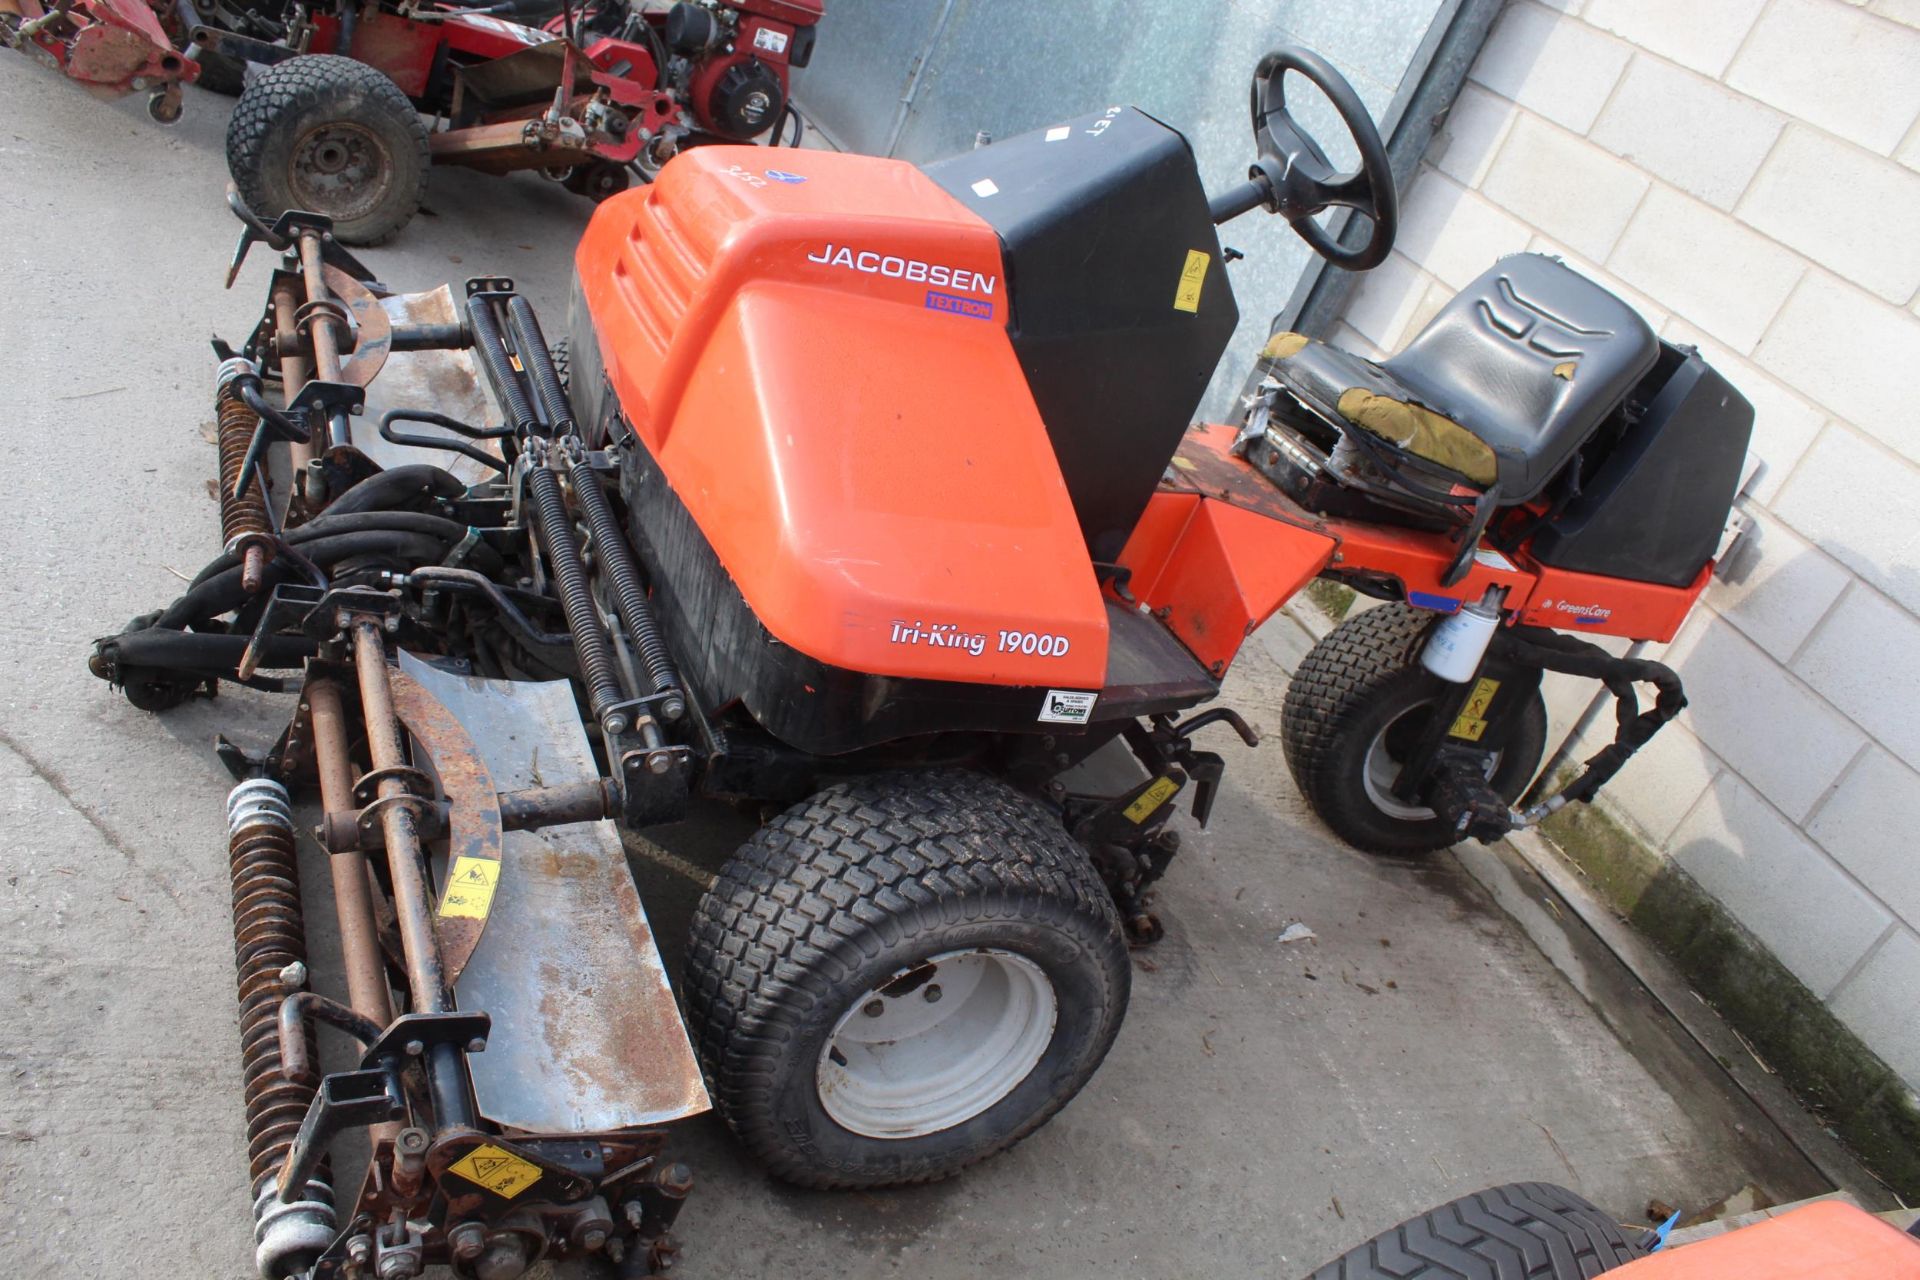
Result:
[[1266, 1105]]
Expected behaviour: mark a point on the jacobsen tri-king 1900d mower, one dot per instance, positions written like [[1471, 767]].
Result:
[[865, 493]]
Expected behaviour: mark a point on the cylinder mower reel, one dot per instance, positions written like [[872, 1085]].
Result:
[[524, 592]]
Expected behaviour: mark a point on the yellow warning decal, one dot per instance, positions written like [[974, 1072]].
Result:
[[499, 1171], [1192, 276], [1471, 722], [1158, 792], [470, 888]]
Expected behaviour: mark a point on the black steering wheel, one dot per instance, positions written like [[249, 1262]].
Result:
[[1293, 175]]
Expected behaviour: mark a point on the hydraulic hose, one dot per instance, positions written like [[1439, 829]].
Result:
[[452, 532], [222, 593], [591, 643], [394, 486], [210, 653], [629, 595]]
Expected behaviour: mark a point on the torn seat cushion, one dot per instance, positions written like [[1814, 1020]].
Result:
[[1528, 360], [1339, 383], [1422, 433]]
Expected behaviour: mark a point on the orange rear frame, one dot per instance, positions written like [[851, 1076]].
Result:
[[1220, 548], [1826, 1240]]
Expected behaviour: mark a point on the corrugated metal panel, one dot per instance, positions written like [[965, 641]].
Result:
[[919, 78]]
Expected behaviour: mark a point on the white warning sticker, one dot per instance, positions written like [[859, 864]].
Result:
[[770, 40], [1059, 133], [1493, 559], [1065, 706], [986, 187]]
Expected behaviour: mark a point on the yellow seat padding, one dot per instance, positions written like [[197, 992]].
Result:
[[1421, 432], [1283, 344]]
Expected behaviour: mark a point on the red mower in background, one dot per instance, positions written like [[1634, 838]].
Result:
[[589, 95], [113, 47], [600, 91]]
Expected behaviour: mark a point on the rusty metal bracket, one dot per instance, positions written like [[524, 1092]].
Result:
[[474, 825]]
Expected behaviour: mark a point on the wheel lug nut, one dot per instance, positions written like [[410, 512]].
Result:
[[874, 1008], [933, 993]]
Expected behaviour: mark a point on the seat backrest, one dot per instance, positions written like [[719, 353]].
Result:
[[1530, 357]]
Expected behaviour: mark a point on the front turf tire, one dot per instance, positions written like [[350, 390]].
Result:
[[325, 134], [1362, 680], [838, 905]]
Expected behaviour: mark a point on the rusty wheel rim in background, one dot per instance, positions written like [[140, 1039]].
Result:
[[341, 169]]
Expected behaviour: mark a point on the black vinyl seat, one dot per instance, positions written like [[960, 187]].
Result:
[[1502, 387]]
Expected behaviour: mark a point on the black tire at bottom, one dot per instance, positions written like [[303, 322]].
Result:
[[1361, 678], [855, 884], [1522, 1231]]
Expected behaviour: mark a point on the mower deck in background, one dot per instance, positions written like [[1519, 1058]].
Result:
[[866, 500], [112, 47], [331, 122], [606, 89]]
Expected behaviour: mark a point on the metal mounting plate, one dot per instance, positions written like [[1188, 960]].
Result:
[[586, 1032]]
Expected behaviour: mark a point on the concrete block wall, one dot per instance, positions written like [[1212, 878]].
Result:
[[1747, 173]]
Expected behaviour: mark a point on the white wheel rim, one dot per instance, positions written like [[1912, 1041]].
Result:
[[937, 1044], [1380, 771]]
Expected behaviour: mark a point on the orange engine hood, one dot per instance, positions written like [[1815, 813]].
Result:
[[834, 397]]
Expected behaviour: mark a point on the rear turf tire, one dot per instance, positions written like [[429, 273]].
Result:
[[1357, 694], [329, 135], [1522, 1231], [838, 905]]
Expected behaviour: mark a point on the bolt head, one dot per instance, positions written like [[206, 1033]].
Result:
[[931, 993], [467, 1240], [874, 1008], [359, 1249], [593, 1239], [415, 1048], [476, 1045]]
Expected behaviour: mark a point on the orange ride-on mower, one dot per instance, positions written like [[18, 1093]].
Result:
[[864, 494], [608, 88]]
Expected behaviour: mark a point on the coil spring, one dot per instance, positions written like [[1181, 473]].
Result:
[[591, 643], [539, 362], [270, 947], [630, 597], [491, 345], [244, 526]]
